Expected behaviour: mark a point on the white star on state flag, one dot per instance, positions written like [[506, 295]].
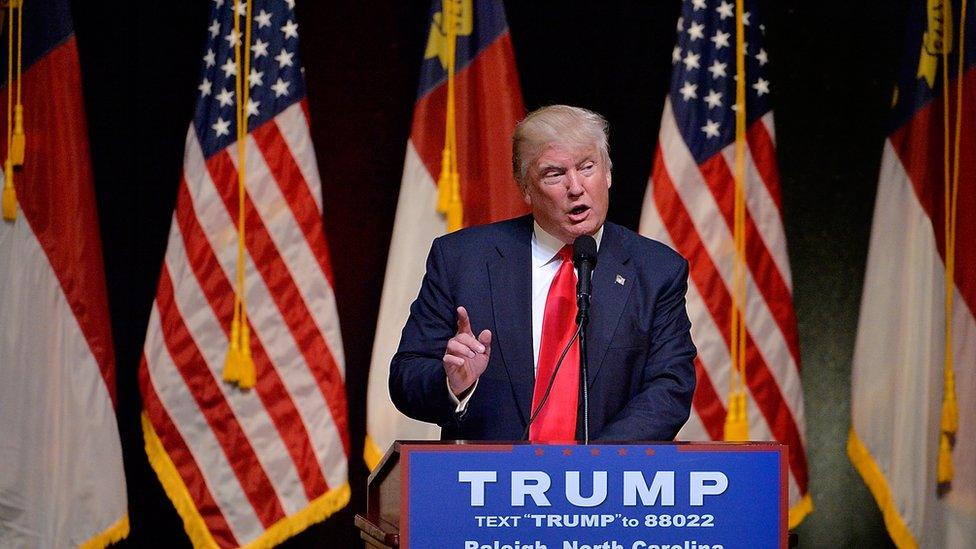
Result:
[[725, 10], [205, 87], [233, 38], [688, 91], [225, 97], [710, 128], [761, 86], [284, 59], [280, 88], [254, 79], [221, 126], [717, 69], [696, 31], [290, 29], [263, 19], [252, 107], [714, 99], [691, 61], [259, 48], [721, 39], [762, 57], [229, 67]]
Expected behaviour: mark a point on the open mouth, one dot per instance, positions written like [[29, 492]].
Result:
[[579, 209]]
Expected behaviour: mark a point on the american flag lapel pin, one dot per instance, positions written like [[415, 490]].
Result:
[[620, 280]]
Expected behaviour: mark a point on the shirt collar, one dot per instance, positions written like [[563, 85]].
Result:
[[545, 247]]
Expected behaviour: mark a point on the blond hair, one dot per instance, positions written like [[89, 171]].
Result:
[[561, 125]]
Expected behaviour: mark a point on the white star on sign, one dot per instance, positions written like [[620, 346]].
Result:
[[696, 31], [225, 97], [221, 126], [214, 28], [229, 67], [721, 39], [284, 59], [252, 107], [725, 10], [714, 99], [688, 91], [210, 59], [205, 87], [280, 88], [761, 86], [259, 48], [290, 29], [717, 69], [675, 55], [691, 61], [762, 57], [698, 4], [710, 128], [233, 38], [254, 79], [263, 19]]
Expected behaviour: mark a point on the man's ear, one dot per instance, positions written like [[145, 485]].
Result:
[[524, 189], [609, 177]]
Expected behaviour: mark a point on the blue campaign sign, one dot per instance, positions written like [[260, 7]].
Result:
[[535, 496]]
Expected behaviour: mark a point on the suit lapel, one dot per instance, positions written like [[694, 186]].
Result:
[[510, 281], [613, 280]]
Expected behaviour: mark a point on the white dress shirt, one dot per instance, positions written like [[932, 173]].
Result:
[[545, 265]]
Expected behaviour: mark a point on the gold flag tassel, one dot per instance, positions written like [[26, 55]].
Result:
[[9, 200], [18, 141], [737, 417], [449, 182], [239, 365], [949, 423]]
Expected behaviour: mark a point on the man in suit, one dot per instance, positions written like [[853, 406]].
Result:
[[513, 284]]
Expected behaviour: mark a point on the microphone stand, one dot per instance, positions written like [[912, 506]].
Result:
[[582, 319]]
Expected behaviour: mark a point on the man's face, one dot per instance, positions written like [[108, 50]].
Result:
[[568, 190]]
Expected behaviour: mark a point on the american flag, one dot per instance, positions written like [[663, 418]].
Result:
[[248, 467], [689, 205]]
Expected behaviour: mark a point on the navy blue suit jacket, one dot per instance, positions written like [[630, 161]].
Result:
[[640, 352]]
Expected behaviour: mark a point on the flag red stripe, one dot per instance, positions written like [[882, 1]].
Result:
[[57, 198], [203, 387], [294, 311], [716, 297], [296, 191], [183, 460], [763, 151], [765, 272], [489, 104], [269, 387], [923, 161], [707, 403]]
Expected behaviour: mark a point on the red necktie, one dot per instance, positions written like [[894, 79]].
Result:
[[557, 420]]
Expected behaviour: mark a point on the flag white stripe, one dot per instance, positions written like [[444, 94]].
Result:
[[216, 472], [294, 130], [279, 343], [416, 225], [249, 412], [61, 474], [717, 240]]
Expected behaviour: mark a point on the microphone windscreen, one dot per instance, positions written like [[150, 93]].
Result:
[[584, 249]]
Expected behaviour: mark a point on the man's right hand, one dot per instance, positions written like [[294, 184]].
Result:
[[466, 357]]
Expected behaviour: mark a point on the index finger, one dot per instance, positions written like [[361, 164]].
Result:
[[463, 323]]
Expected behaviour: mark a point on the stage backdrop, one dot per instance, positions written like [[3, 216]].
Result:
[[833, 65]]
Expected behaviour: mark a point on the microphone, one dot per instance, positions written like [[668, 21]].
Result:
[[584, 259]]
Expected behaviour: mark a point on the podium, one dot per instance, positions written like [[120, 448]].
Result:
[[571, 496]]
